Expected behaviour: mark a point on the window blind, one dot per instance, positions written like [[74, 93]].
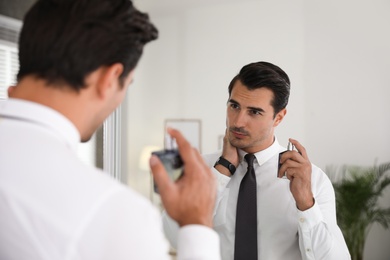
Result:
[[9, 64]]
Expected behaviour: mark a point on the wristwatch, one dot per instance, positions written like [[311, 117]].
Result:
[[222, 161]]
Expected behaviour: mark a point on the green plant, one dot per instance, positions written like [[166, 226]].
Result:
[[357, 195]]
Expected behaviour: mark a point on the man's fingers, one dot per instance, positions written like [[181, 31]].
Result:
[[283, 169], [289, 160], [184, 146], [299, 147], [190, 156], [200, 161]]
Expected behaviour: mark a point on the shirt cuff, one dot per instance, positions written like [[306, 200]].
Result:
[[310, 218], [198, 242], [222, 180]]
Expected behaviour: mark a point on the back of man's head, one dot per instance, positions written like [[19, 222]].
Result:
[[62, 41]]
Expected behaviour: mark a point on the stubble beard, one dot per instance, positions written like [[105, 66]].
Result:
[[239, 143], [247, 143]]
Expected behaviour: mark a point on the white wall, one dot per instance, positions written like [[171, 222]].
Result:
[[347, 62], [346, 81], [337, 54]]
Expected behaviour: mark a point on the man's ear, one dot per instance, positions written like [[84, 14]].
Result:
[[9, 90], [279, 117], [108, 79]]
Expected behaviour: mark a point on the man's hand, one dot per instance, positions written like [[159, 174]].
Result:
[[230, 153], [297, 167], [191, 199]]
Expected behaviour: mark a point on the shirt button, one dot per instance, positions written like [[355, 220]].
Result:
[[302, 220], [308, 249]]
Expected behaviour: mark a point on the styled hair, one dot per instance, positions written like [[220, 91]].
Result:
[[265, 75], [62, 41]]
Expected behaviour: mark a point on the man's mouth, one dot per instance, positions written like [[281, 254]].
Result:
[[239, 133]]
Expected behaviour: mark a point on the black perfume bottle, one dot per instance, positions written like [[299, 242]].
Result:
[[170, 158]]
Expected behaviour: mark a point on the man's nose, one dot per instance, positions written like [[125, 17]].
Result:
[[240, 119]]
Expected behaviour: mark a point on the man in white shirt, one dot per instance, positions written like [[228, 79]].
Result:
[[77, 58], [296, 214]]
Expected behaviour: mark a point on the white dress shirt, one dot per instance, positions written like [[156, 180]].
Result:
[[283, 231], [53, 206]]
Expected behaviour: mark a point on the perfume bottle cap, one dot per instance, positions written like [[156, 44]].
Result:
[[170, 143], [290, 146]]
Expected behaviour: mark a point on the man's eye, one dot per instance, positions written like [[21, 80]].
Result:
[[255, 112], [234, 106]]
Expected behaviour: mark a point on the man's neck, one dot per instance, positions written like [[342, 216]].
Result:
[[61, 98]]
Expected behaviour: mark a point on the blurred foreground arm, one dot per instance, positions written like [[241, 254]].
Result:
[[190, 202]]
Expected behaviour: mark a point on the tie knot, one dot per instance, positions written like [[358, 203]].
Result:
[[249, 158]]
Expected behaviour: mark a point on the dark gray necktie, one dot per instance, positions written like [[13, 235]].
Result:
[[245, 246]]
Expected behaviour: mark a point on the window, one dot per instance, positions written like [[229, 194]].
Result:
[[8, 67], [9, 64]]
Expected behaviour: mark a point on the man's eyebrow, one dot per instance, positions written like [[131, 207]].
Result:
[[233, 101], [250, 108], [257, 109]]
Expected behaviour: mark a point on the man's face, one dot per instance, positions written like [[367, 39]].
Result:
[[250, 118]]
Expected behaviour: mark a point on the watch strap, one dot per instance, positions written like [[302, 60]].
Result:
[[222, 161]]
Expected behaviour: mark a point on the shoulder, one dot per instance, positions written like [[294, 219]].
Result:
[[108, 199], [318, 173], [320, 180], [115, 190], [101, 192], [119, 213]]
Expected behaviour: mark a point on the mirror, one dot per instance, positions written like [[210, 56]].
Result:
[[190, 128], [335, 52]]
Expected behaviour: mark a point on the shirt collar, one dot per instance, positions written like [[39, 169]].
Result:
[[38, 114], [264, 155]]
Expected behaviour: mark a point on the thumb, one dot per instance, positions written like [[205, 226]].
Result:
[[160, 175]]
